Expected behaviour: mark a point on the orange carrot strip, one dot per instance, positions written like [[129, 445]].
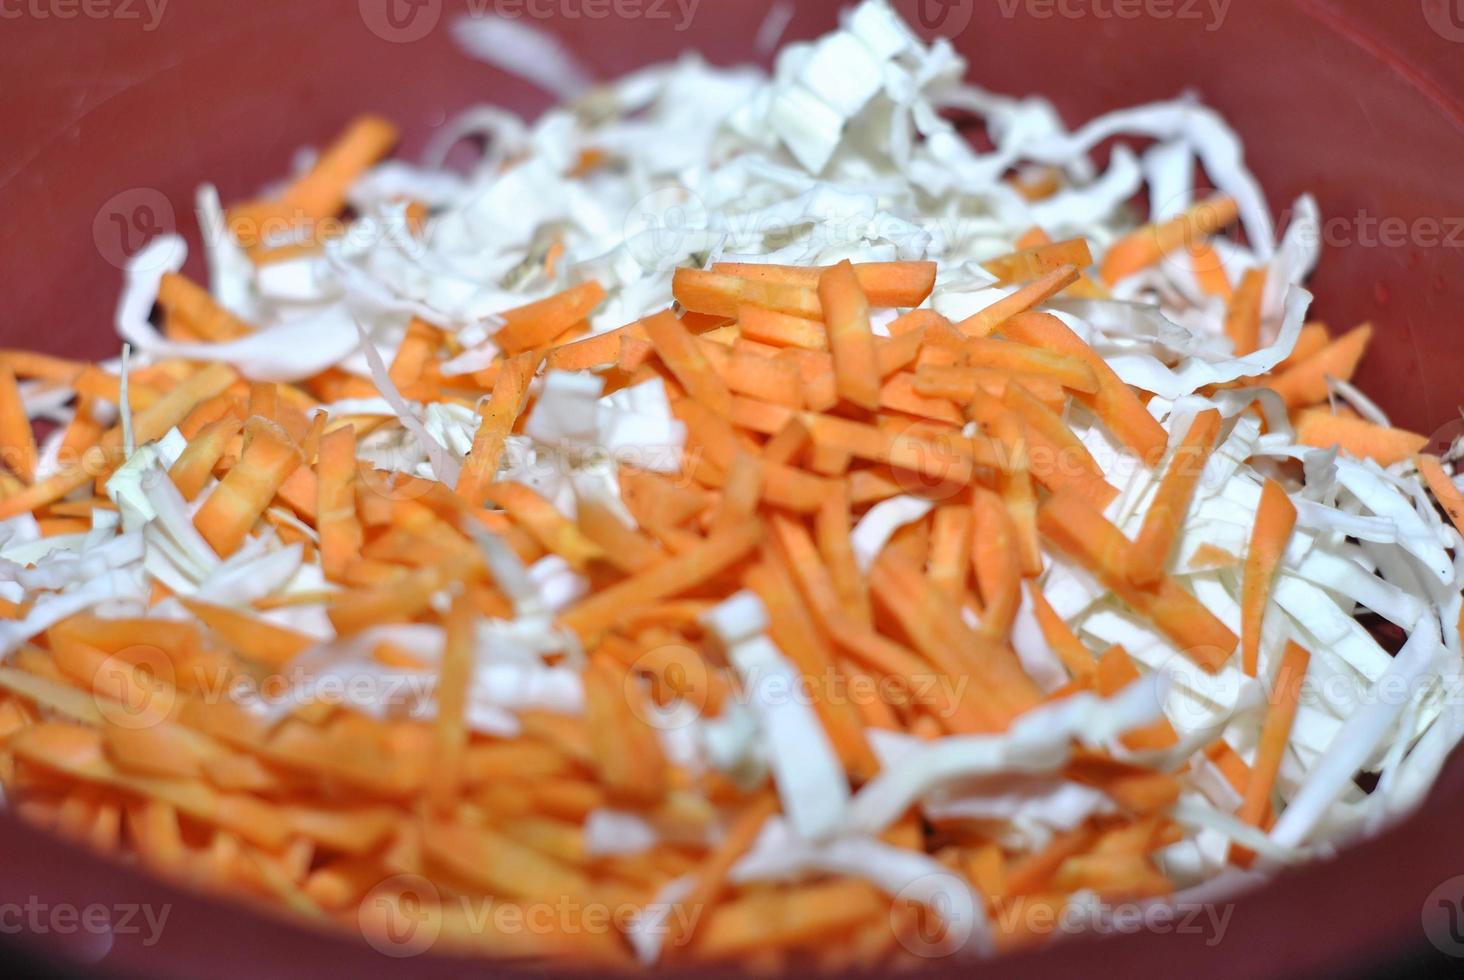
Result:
[[1444, 489], [1057, 458], [624, 752], [1320, 428], [499, 414], [251, 637], [1210, 271], [189, 302], [1149, 556], [722, 295], [1275, 519], [793, 630], [831, 531], [774, 919], [711, 877], [596, 351], [415, 353], [900, 394], [883, 283], [538, 323], [1275, 733], [1116, 671], [454, 681], [593, 615], [229, 513], [195, 465], [541, 519], [1313, 338], [1017, 492], [1115, 402], [321, 191], [1243, 318], [950, 458], [846, 311], [1148, 245], [1038, 260], [937, 630], [340, 530], [950, 549], [17, 440], [781, 329], [624, 547], [776, 380], [1071, 524], [983, 322], [996, 563], [1305, 383], [1000, 355], [681, 353], [1076, 657]]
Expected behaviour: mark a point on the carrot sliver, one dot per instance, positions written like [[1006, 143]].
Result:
[[1275, 734], [1010, 358], [1444, 489], [1243, 316], [724, 295], [1366, 440], [195, 465], [539, 323], [781, 329], [1038, 260], [1077, 529], [898, 284], [499, 414], [454, 681], [846, 311], [229, 512], [336, 521], [1076, 657], [1275, 519], [253, 638], [950, 549], [983, 322], [1116, 671], [1114, 402], [1149, 556], [681, 353], [1017, 492], [1305, 382], [182, 298], [592, 616], [1145, 247], [996, 562]]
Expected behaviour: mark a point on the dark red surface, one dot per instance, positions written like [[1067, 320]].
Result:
[[1360, 103]]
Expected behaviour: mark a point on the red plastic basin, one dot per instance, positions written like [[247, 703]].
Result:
[[114, 111]]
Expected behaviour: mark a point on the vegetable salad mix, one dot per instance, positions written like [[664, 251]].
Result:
[[738, 503]]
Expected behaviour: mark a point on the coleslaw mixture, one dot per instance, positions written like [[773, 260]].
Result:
[[744, 502]]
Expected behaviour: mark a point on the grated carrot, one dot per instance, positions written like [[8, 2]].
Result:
[[1149, 556], [1275, 519], [1365, 440]]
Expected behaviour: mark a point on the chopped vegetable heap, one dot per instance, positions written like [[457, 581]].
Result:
[[738, 505]]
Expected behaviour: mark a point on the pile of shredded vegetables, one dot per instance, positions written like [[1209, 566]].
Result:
[[737, 500]]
